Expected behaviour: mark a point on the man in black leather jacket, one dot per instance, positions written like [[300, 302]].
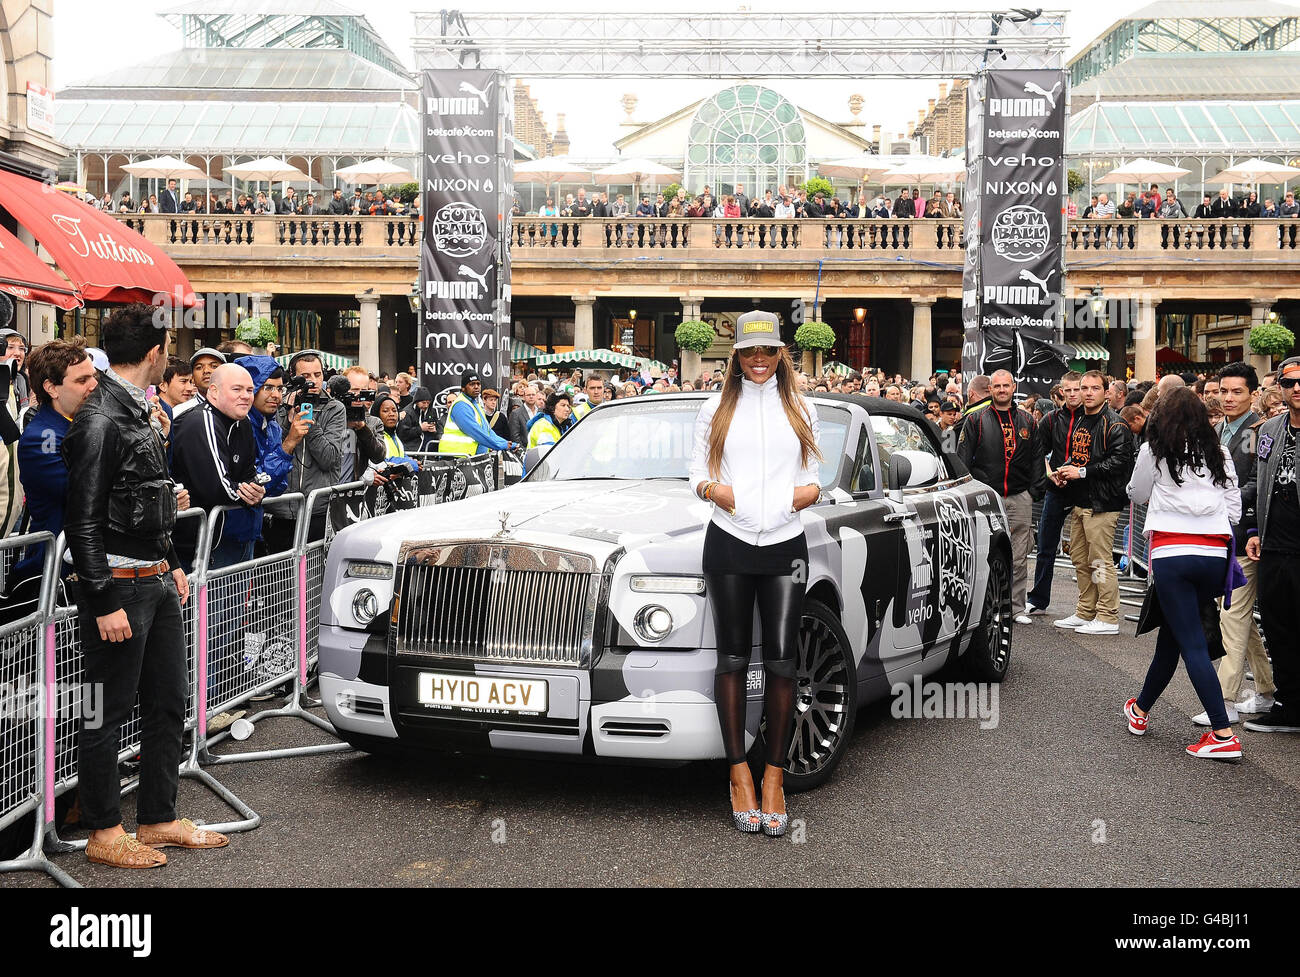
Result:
[[1098, 461], [121, 509]]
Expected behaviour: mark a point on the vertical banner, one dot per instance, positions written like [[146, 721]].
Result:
[[1019, 279], [462, 272], [972, 346]]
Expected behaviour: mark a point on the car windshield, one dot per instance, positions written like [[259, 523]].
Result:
[[644, 441]]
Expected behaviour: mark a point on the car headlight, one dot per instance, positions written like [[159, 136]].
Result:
[[369, 569], [365, 606], [653, 622], [649, 584]]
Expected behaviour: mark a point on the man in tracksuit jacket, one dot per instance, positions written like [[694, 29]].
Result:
[[215, 457], [1000, 445], [1275, 543], [1095, 478]]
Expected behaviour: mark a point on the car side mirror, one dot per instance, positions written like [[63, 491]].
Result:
[[912, 469], [531, 457], [900, 471]]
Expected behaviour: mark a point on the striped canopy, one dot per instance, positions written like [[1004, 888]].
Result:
[[838, 368], [598, 357], [331, 361], [1088, 350], [521, 351]]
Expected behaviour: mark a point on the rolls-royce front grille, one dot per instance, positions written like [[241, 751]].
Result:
[[495, 602]]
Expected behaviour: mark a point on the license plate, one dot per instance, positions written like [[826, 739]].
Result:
[[482, 693]]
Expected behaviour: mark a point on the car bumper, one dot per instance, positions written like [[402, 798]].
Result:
[[634, 704]]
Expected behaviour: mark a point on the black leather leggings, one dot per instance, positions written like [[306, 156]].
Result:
[[780, 608]]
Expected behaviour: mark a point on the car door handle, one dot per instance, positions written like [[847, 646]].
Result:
[[898, 516]]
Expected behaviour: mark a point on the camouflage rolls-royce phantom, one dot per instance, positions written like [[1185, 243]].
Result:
[[568, 614]]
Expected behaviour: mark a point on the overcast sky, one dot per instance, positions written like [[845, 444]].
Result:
[[92, 36]]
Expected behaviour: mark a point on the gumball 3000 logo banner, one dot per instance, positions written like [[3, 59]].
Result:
[[1015, 195], [464, 255]]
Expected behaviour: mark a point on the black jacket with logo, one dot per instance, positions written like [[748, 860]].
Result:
[[1100, 442], [982, 445]]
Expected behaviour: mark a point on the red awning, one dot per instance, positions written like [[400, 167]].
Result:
[[25, 276], [104, 259]]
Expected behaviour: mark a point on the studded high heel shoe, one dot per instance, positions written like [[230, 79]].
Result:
[[782, 820], [741, 819]]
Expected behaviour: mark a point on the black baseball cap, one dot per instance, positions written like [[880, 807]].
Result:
[[469, 378], [950, 405]]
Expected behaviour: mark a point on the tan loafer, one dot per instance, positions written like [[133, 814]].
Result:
[[124, 851], [185, 834]]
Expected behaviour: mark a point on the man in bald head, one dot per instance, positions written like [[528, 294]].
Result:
[[215, 457]]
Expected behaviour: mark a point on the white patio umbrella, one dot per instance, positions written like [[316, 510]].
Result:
[[267, 168], [865, 168], [164, 168], [636, 172], [551, 169], [1256, 171], [1143, 171], [927, 169], [374, 171]]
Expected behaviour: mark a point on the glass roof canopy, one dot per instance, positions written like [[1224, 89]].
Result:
[[240, 128], [1190, 27], [1185, 128]]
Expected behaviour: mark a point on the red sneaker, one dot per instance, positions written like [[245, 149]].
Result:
[[1137, 725], [1211, 746]]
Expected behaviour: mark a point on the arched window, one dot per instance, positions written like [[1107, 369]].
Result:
[[745, 134]]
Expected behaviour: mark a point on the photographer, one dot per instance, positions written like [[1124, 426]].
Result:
[[314, 427], [361, 440]]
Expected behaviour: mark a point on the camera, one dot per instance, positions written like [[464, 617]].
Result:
[[359, 405], [395, 471]]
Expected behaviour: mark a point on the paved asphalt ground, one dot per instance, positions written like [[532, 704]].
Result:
[[1058, 794]]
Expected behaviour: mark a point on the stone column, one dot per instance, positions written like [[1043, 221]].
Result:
[[691, 305], [922, 339], [1144, 341], [1259, 309], [368, 349], [584, 322], [260, 303]]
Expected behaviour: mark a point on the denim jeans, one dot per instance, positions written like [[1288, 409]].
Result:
[[1183, 583], [152, 662], [1050, 524]]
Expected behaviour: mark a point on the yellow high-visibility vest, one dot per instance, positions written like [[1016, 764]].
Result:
[[454, 440], [543, 432]]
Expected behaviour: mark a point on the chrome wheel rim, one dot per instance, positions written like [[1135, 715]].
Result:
[[821, 699], [997, 613]]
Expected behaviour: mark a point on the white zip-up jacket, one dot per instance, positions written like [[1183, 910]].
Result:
[[1195, 506], [760, 461]]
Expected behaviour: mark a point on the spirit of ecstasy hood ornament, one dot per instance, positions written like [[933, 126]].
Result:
[[504, 530]]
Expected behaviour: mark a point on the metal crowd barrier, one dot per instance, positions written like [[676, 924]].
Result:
[[249, 628]]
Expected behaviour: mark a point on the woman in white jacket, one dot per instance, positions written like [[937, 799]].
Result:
[[756, 460], [1190, 484]]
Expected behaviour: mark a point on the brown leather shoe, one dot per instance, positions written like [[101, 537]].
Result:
[[185, 834], [124, 851]]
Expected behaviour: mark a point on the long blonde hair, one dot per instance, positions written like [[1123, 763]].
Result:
[[790, 399]]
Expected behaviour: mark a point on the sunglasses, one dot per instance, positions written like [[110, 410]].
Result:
[[748, 351], [1286, 383]]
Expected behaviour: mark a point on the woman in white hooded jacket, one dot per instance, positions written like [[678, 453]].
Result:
[[756, 460], [1188, 480]]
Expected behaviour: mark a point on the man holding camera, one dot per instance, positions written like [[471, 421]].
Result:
[[314, 427], [361, 441], [121, 508]]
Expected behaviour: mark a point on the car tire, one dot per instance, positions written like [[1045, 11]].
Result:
[[826, 705], [988, 657]]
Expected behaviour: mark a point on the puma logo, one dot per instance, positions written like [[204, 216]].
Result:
[[1028, 276], [469, 89], [1030, 88], [469, 272]]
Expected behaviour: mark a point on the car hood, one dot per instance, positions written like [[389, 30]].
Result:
[[622, 512]]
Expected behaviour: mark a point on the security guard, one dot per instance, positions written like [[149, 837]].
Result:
[[595, 391], [467, 431]]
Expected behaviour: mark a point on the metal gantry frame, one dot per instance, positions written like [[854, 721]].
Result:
[[740, 44]]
